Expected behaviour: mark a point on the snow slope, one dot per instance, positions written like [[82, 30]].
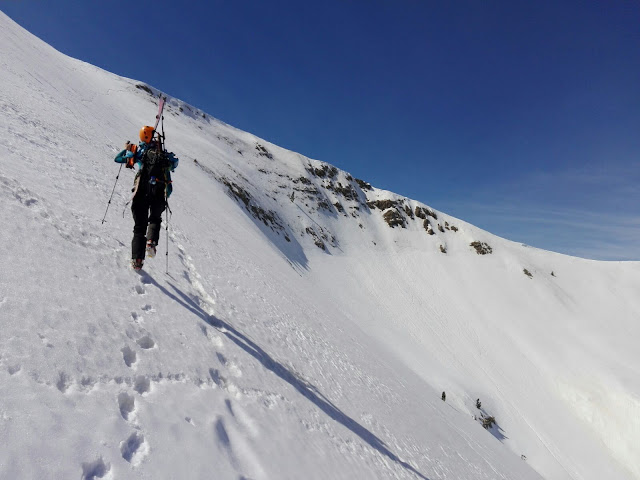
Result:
[[296, 335]]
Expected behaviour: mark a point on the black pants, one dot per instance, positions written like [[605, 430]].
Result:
[[147, 207]]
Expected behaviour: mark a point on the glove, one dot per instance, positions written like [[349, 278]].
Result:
[[130, 159]]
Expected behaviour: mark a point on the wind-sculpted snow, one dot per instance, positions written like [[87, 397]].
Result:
[[300, 323]]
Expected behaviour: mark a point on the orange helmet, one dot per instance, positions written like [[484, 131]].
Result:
[[146, 134]]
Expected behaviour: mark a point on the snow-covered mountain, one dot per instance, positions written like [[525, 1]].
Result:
[[308, 323]]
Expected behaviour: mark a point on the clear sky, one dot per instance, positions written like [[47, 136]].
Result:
[[521, 117]]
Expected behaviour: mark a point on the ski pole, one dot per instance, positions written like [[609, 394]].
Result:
[[167, 230], [112, 191]]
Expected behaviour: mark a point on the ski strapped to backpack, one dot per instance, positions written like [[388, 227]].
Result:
[[167, 191], [161, 103], [156, 162]]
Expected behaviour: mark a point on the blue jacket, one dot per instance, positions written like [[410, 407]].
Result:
[[125, 155]]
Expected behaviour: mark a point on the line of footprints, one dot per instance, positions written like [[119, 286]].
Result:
[[135, 448]]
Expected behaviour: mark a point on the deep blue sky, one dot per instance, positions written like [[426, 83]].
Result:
[[521, 117]]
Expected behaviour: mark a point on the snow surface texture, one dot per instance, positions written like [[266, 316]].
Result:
[[297, 333]]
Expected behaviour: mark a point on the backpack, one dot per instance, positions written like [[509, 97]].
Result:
[[154, 173], [154, 166]]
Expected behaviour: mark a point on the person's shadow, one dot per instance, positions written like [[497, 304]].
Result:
[[306, 389]]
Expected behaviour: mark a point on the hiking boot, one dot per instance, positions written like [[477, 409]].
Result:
[[151, 249], [137, 263]]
